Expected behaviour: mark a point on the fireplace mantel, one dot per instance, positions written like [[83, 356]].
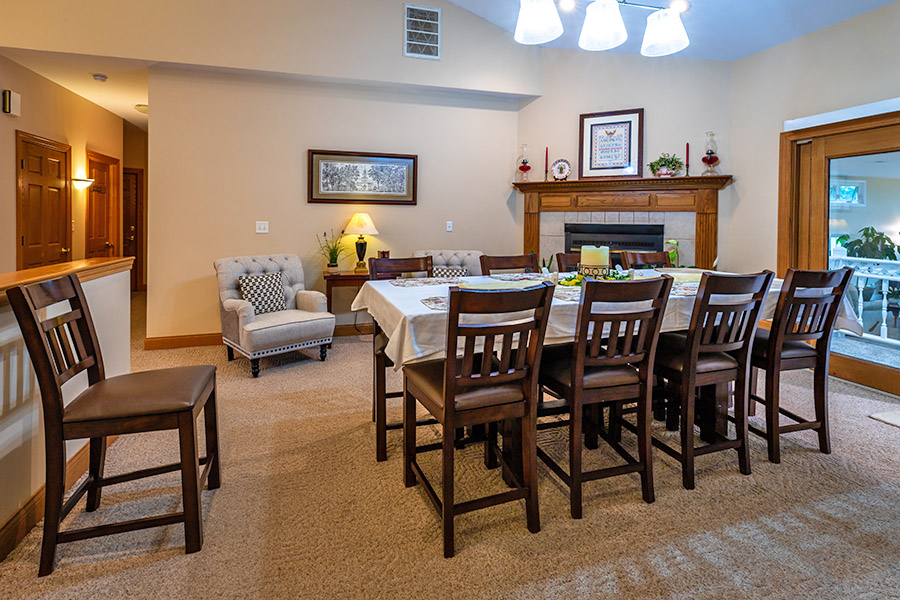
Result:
[[699, 195]]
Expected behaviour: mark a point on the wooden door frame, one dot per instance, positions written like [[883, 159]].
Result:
[[23, 137], [803, 215], [139, 258], [115, 190]]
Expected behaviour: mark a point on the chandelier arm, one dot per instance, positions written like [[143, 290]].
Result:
[[637, 5]]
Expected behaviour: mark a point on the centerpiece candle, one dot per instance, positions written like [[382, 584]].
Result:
[[594, 256]]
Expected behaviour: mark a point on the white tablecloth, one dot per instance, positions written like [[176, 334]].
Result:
[[418, 332]]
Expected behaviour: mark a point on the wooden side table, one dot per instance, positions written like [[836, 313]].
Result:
[[342, 279]]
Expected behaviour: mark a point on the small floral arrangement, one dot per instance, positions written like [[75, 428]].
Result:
[[667, 165], [332, 247]]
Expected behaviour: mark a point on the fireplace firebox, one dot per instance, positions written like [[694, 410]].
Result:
[[647, 238]]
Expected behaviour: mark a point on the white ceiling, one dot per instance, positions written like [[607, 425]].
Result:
[[718, 29], [126, 84], [885, 165]]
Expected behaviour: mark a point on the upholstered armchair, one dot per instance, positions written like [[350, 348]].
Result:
[[304, 321], [470, 259]]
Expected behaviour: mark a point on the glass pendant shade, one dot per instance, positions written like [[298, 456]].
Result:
[[665, 34], [603, 27], [538, 22]]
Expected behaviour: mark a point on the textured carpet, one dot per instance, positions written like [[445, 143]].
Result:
[[304, 510]]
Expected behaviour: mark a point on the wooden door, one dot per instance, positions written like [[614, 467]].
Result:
[[804, 213], [132, 223], [102, 209], [43, 202]]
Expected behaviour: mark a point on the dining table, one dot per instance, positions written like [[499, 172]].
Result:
[[413, 313]]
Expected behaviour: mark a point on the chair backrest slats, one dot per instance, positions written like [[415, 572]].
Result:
[[518, 337], [567, 262], [724, 319], [619, 335], [526, 262], [392, 268], [61, 346], [631, 260], [807, 307]]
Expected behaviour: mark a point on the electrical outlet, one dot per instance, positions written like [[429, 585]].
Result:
[[449, 225], [262, 227]]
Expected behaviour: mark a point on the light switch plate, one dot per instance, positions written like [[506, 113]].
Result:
[[262, 227], [449, 225]]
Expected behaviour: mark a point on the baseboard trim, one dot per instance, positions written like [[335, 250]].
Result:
[[24, 520], [346, 330], [182, 341]]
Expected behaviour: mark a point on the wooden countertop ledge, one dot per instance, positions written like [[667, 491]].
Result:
[[87, 269]]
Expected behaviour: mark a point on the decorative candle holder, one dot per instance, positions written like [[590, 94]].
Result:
[[524, 167], [595, 271], [710, 160]]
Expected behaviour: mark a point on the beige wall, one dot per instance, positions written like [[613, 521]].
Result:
[[134, 150], [851, 63], [229, 150], [49, 111], [339, 39]]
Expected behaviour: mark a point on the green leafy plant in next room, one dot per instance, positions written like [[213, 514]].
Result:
[[871, 243]]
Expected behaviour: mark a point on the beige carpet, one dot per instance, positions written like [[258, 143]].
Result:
[[304, 511]]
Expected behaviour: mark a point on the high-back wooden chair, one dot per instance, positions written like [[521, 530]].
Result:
[[480, 388], [526, 262], [567, 262], [63, 346], [715, 351], [644, 260], [610, 363], [806, 312], [379, 269]]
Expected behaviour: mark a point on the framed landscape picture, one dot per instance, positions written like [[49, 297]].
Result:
[[362, 177], [611, 144]]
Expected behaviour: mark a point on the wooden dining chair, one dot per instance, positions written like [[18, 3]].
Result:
[[714, 352], [645, 260], [526, 262], [63, 346], [388, 268], [806, 312], [567, 262], [610, 363], [497, 383]]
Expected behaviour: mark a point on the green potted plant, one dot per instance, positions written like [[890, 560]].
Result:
[[667, 165], [332, 249], [871, 243]]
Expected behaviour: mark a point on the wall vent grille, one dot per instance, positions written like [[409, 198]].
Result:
[[422, 32]]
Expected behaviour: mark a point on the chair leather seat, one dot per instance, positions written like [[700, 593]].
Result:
[[556, 364], [429, 377], [157, 392], [789, 350], [671, 353]]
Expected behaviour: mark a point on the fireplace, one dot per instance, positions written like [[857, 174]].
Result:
[[647, 238]]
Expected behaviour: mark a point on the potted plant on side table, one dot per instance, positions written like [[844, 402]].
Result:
[[332, 249]]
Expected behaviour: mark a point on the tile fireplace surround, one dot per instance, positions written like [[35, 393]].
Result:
[[686, 206]]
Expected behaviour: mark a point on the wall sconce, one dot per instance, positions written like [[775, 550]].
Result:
[[80, 181]]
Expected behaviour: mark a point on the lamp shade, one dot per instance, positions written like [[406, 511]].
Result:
[[665, 34], [360, 224], [538, 22], [603, 27]]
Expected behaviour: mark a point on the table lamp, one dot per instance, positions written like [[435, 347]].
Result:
[[361, 224]]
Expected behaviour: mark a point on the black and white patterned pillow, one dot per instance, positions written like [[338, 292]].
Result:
[[450, 271], [264, 292]]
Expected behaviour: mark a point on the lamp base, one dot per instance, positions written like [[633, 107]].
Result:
[[361, 268], [361, 256]]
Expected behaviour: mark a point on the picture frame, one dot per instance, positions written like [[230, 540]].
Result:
[[611, 144], [342, 177]]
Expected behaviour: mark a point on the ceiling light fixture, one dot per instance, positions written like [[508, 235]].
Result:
[[665, 34], [142, 108], [567, 5], [100, 77], [603, 27], [538, 22]]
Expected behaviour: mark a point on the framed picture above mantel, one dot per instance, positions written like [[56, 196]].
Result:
[[611, 144], [340, 177]]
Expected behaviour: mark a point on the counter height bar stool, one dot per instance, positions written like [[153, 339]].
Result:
[[610, 363], [806, 312], [63, 346], [388, 268], [480, 388], [715, 351], [526, 262]]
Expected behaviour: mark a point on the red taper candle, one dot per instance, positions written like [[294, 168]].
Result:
[[546, 161]]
